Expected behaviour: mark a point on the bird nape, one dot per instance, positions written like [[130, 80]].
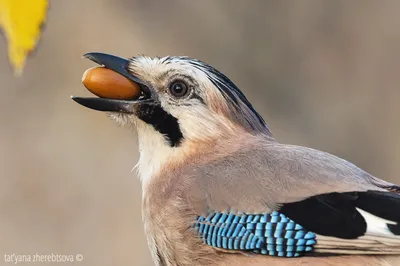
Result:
[[217, 185]]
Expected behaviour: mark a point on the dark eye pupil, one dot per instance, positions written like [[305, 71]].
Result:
[[179, 89]]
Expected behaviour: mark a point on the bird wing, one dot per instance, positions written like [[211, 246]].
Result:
[[349, 210], [270, 234]]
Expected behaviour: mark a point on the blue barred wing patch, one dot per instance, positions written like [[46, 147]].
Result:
[[270, 234]]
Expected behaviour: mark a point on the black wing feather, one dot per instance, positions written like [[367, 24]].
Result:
[[335, 214]]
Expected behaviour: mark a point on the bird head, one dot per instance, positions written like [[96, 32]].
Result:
[[183, 102]]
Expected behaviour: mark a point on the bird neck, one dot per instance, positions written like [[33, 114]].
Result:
[[153, 153]]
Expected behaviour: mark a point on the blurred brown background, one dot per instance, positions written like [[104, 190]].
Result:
[[324, 74]]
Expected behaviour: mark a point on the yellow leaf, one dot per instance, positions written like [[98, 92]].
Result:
[[21, 22]]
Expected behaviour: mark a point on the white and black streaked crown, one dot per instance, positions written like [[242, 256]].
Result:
[[241, 109]]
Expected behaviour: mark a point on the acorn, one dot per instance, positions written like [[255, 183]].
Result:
[[106, 83]]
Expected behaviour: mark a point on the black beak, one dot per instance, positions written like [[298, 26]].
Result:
[[120, 66], [106, 105]]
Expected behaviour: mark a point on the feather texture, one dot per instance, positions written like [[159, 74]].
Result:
[[342, 226], [348, 215], [271, 234], [264, 197]]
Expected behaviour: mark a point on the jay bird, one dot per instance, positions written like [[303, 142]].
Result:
[[218, 189]]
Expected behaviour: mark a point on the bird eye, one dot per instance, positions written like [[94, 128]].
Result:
[[179, 89]]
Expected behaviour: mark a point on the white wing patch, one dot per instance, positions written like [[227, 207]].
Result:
[[375, 224], [378, 239]]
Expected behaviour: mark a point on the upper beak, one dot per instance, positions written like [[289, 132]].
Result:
[[120, 66]]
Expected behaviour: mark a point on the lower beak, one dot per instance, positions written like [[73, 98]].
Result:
[[119, 65], [106, 105]]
